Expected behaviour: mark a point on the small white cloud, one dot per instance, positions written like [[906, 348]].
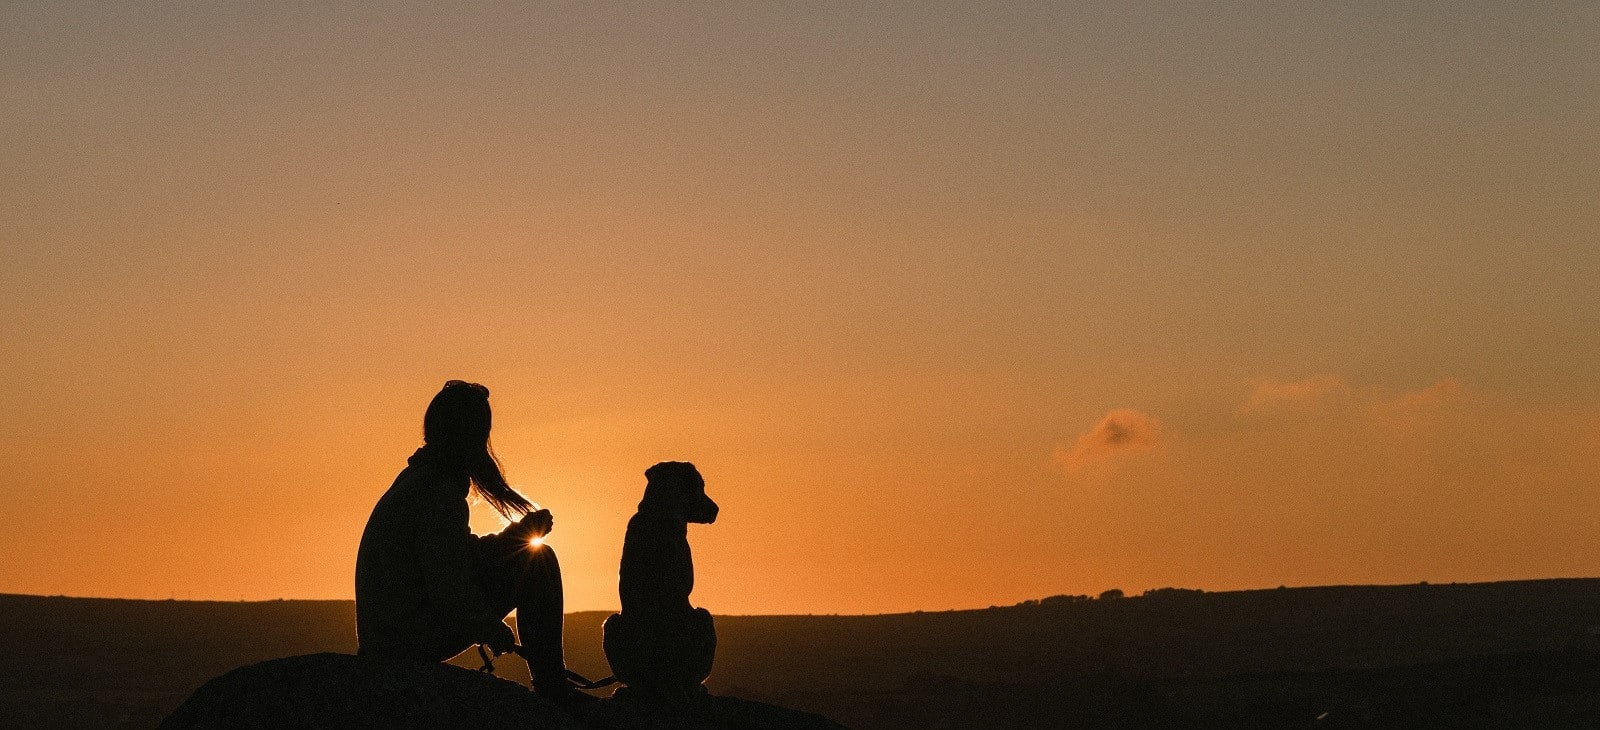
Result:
[[1416, 410], [1325, 401], [1121, 431], [1314, 395]]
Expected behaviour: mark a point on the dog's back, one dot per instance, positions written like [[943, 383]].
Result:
[[657, 572]]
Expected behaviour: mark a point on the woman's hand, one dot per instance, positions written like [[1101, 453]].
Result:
[[534, 524], [501, 640]]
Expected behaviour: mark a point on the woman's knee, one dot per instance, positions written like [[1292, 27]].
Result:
[[543, 557], [540, 571]]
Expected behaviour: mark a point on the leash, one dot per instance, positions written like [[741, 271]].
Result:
[[578, 681]]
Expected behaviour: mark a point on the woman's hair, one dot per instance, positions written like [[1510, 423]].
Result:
[[455, 430]]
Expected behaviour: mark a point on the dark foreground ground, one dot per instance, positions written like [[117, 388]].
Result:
[[1515, 654]]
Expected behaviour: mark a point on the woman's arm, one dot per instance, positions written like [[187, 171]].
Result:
[[444, 556]]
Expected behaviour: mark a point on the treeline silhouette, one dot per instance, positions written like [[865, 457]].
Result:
[[1108, 595]]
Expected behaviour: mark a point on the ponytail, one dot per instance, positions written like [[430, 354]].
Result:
[[489, 483]]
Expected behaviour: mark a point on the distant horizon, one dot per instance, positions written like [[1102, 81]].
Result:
[[1020, 604]]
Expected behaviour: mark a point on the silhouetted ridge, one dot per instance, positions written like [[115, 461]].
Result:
[[343, 691], [1524, 652]]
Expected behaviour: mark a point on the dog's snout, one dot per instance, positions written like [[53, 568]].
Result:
[[709, 510]]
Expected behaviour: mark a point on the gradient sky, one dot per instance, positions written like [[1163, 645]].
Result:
[[953, 304]]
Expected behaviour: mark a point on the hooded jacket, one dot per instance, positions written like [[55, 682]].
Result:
[[415, 596]]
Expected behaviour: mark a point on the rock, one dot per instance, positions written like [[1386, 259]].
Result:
[[343, 691], [622, 712]]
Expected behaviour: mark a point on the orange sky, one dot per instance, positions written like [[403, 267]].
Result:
[[953, 305]]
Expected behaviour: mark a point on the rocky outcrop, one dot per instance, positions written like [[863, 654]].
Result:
[[344, 691], [621, 712], [341, 690]]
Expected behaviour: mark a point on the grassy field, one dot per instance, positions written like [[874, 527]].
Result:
[[1474, 653]]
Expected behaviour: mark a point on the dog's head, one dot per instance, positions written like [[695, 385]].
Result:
[[676, 487]]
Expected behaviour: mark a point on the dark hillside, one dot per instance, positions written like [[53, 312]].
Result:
[[1171, 634], [92, 661], [1191, 646], [1170, 656]]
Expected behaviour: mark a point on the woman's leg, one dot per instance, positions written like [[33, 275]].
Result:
[[512, 574]]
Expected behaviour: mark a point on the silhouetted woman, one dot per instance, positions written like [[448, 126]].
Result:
[[426, 587]]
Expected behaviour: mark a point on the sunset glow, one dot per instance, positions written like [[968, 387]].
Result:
[[951, 305]]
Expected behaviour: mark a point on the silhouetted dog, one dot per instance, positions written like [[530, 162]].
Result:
[[660, 645]]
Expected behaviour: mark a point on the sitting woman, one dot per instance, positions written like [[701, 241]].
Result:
[[427, 588]]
